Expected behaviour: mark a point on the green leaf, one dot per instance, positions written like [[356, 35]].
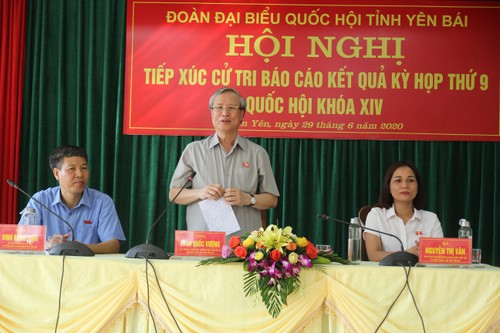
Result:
[[218, 260], [273, 299], [251, 283], [320, 260], [333, 257]]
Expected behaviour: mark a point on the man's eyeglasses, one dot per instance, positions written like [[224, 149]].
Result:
[[231, 108]]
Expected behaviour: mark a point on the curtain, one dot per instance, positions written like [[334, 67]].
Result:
[[73, 94], [12, 30]]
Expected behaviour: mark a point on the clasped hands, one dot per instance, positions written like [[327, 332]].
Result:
[[414, 249], [232, 196], [55, 240]]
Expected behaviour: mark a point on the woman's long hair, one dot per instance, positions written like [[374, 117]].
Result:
[[386, 200]]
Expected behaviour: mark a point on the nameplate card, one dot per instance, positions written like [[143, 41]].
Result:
[[451, 251], [28, 238], [199, 243]]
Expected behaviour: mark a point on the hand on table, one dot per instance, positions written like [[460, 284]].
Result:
[[414, 249], [55, 240]]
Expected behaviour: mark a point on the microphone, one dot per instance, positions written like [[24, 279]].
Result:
[[394, 259], [69, 248], [149, 250]]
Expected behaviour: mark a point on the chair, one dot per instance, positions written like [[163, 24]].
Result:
[[263, 218], [362, 213]]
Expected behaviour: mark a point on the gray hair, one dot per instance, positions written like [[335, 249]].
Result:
[[243, 103]]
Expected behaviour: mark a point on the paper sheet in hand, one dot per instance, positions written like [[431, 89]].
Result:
[[219, 216]]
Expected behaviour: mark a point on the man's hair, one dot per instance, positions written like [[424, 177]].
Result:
[[243, 103], [386, 200], [57, 156]]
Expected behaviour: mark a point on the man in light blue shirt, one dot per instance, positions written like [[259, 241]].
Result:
[[91, 213]]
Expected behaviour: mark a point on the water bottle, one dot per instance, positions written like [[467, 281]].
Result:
[[465, 230], [354, 243], [29, 217]]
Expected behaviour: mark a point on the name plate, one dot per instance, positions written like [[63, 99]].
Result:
[[199, 243], [445, 251], [16, 237]]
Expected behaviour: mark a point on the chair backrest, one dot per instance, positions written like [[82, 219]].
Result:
[[263, 218], [362, 213]]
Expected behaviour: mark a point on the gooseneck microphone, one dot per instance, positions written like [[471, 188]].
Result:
[[69, 248], [150, 251], [394, 259]]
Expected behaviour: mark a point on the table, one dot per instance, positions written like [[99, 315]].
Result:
[[109, 293]]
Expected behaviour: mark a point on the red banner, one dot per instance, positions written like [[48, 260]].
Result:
[[414, 71]]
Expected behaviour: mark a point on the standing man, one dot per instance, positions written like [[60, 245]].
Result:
[[91, 213], [227, 166]]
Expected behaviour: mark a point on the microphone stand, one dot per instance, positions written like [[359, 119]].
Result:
[[394, 259], [149, 250], [69, 248]]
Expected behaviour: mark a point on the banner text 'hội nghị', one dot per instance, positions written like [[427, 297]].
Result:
[[345, 71]]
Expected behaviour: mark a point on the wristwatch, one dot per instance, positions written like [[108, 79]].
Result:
[[252, 200]]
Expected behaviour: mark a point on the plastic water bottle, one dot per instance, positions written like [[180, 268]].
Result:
[[354, 243], [465, 230], [29, 217]]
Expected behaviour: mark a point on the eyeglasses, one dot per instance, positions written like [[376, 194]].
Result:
[[231, 108]]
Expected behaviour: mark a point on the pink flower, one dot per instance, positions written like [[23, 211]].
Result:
[[304, 261], [295, 270], [226, 251]]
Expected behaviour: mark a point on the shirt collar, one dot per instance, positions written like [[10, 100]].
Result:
[[417, 214], [214, 141], [84, 200]]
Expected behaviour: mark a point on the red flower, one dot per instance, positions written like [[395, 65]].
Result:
[[275, 255], [311, 250], [240, 252], [234, 241]]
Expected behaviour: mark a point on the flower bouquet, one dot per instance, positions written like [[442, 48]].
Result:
[[273, 259]]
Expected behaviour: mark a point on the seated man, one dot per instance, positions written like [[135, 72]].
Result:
[[91, 213]]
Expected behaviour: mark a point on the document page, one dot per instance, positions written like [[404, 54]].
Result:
[[219, 216]]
